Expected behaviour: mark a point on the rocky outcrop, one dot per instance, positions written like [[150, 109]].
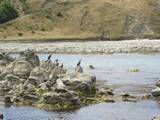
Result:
[[26, 80]]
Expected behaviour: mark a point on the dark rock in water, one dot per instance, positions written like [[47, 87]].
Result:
[[91, 67], [8, 100], [1, 116], [125, 95], [156, 92]]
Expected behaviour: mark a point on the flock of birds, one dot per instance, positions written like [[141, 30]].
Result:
[[78, 68]]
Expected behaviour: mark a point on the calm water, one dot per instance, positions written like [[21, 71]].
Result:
[[111, 111], [113, 71]]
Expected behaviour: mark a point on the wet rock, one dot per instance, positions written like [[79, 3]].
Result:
[[156, 92], [1, 116], [91, 67], [31, 97], [66, 98], [109, 100], [7, 99], [105, 92], [125, 95]]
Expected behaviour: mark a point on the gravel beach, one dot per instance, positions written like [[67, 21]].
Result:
[[95, 47]]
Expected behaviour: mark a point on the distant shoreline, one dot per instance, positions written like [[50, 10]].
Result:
[[85, 47]]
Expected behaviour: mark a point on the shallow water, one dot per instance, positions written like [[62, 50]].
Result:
[[110, 111], [113, 71]]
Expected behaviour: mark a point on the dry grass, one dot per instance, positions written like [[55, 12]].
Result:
[[73, 19]]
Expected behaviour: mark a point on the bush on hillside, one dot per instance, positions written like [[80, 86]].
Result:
[[7, 11]]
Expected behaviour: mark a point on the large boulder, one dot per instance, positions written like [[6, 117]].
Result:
[[78, 81], [22, 69]]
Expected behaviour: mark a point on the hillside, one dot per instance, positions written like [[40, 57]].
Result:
[[82, 19]]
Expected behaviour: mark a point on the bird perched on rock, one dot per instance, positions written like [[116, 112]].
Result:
[[79, 68], [56, 62], [62, 65], [49, 58]]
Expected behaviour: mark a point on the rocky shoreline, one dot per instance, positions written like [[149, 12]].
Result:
[[98, 47], [46, 84]]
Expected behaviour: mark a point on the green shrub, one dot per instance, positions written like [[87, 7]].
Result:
[[7, 11], [20, 34]]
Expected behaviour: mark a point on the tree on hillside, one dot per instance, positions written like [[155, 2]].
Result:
[[7, 11]]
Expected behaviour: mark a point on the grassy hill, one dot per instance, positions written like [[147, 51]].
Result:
[[83, 19]]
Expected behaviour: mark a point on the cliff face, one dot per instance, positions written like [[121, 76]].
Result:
[[53, 19]]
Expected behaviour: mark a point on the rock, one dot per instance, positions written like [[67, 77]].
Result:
[[60, 98], [105, 91], [91, 67], [22, 69], [31, 97], [32, 81], [29, 81], [1, 116], [109, 100], [40, 74], [158, 84], [7, 99], [31, 57], [51, 98], [13, 79], [47, 65], [78, 81], [156, 92], [44, 86], [125, 95], [156, 118], [5, 59], [58, 70]]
